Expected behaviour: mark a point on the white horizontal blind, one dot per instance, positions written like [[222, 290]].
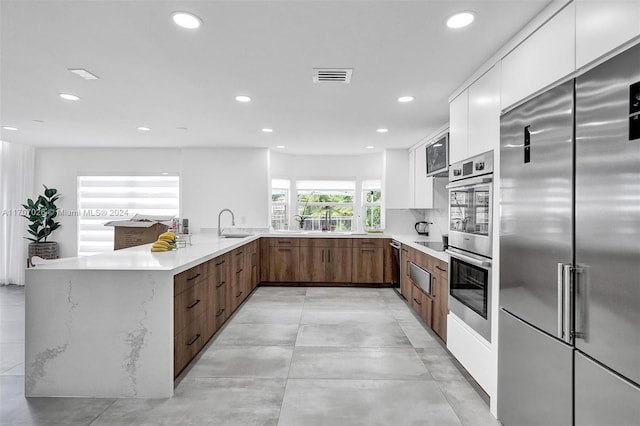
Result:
[[102, 199]]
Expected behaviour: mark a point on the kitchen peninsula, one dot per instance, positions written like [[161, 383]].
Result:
[[110, 325]]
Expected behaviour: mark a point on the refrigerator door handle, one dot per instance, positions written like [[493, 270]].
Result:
[[565, 313], [581, 298]]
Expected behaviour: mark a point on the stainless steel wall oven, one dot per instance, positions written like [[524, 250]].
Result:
[[470, 248]]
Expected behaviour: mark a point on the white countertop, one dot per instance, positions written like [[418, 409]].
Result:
[[204, 247]]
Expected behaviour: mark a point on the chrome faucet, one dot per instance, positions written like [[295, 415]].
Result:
[[233, 220]]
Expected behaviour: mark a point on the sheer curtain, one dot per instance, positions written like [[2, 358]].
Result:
[[17, 166]]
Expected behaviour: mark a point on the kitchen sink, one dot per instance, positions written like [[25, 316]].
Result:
[[236, 235]]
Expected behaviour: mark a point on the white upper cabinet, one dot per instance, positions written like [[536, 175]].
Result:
[[545, 57], [601, 26], [459, 127], [412, 179], [396, 179], [423, 185], [474, 118], [484, 113]]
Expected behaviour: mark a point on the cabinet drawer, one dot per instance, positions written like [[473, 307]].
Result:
[[189, 278], [188, 343], [368, 242], [439, 267], [284, 242], [367, 265], [188, 305], [326, 242], [421, 304]]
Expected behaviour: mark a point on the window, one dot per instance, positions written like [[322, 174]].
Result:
[[280, 203], [325, 205], [372, 204], [102, 199]]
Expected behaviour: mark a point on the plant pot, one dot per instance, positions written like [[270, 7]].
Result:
[[48, 250]]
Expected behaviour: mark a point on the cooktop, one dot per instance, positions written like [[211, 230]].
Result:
[[433, 245]]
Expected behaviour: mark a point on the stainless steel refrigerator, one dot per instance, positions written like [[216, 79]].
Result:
[[569, 324]]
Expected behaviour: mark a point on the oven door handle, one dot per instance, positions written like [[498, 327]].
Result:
[[469, 183], [472, 260]]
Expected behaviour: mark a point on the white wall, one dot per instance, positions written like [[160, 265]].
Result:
[[211, 179], [327, 166], [215, 179]]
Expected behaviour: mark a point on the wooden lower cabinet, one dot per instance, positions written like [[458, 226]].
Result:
[[368, 265], [440, 289], [284, 264], [188, 342], [433, 308], [421, 303]]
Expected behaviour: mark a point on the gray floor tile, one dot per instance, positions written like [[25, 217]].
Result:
[[204, 401], [357, 363], [235, 334], [329, 315], [15, 409], [352, 334], [243, 361], [11, 354], [441, 367], [270, 313], [419, 336], [279, 291], [467, 404], [11, 295], [365, 402], [17, 370], [343, 292]]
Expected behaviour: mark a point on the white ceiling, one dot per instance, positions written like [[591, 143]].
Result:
[[155, 74]]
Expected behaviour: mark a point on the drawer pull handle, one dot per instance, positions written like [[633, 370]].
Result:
[[284, 249], [238, 271], [284, 242], [368, 250], [194, 277], [193, 340], [367, 243], [220, 263], [440, 269], [220, 312], [193, 304], [416, 300], [239, 294], [221, 284]]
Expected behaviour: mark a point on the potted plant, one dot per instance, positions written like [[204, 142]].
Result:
[[42, 213], [302, 217]]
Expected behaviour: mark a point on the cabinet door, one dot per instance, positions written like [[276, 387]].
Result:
[[338, 261], [251, 266], [421, 304], [405, 282], [388, 269], [542, 59], [423, 198], [368, 265], [601, 26], [440, 305], [284, 264], [313, 264], [412, 178], [458, 127], [484, 113]]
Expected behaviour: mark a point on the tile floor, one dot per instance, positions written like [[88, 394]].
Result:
[[288, 357]]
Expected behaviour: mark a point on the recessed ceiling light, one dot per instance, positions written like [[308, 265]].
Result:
[[81, 72], [164, 173], [9, 128], [369, 147], [144, 129], [243, 98], [38, 121], [280, 146], [266, 130], [460, 20], [405, 99], [181, 128], [69, 97], [186, 20], [382, 130]]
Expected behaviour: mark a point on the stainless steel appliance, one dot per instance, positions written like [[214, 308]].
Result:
[[437, 156], [420, 276], [569, 330], [470, 196], [469, 245], [395, 266], [433, 245]]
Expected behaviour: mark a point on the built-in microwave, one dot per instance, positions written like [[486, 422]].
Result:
[[437, 156]]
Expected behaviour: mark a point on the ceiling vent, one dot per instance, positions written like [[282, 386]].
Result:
[[332, 75]]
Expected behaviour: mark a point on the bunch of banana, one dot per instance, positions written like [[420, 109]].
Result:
[[166, 242]]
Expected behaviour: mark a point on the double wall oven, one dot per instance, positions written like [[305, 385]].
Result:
[[470, 228]]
